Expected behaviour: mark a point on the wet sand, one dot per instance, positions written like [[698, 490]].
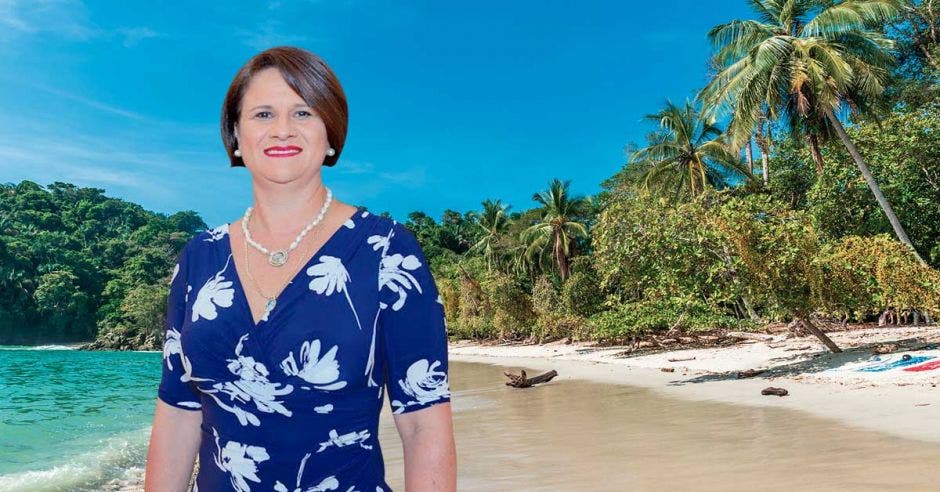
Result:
[[574, 434]]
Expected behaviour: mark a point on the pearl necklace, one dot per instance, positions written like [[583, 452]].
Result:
[[279, 257]]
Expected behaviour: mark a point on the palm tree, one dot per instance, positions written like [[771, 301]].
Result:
[[556, 226], [494, 222], [688, 153], [803, 61]]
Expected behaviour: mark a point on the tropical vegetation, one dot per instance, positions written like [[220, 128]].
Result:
[[799, 186]]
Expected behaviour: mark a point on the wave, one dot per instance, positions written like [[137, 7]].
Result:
[[39, 347], [115, 464]]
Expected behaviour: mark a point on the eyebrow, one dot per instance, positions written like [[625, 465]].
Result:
[[268, 106]]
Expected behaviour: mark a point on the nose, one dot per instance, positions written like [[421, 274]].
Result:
[[282, 127]]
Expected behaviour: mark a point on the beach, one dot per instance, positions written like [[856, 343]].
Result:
[[856, 387]]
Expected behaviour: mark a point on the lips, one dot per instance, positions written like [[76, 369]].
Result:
[[288, 151]]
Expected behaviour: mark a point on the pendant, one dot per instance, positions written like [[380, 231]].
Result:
[[270, 305], [278, 258]]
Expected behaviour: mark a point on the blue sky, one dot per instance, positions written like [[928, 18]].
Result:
[[449, 104]]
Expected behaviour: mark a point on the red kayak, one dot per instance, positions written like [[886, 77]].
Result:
[[927, 366]]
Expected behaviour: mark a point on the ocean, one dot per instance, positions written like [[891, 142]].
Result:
[[72, 419]]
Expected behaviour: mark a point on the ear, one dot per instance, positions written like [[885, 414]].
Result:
[[236, 131]]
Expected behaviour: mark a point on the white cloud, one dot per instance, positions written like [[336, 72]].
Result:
[[269, 34], [68, 19], [393, 176], [65, 18], [92, 103], [134, 35]]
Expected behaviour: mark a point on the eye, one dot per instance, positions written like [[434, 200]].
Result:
[[306, 113], [259, 113]]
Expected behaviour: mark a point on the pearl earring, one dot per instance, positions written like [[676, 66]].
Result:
[[238, 153], [330, 152]]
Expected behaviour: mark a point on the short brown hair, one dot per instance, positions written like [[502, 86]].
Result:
[[309, 76]]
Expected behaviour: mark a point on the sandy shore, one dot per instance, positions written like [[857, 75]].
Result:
[[855, 387]]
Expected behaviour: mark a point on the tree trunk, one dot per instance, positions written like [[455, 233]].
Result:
[[764, 146], [815, 152], [726, 256], [872, 184], [749, 155], [560, 257], [810, 327]]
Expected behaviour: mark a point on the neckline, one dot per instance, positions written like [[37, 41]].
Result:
[[241, 292]]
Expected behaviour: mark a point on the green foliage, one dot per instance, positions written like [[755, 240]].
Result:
[[639, 318], [904, 156], [647, 248], [71, 259], [512, 307], [875, 272], [777, 248], [580, 292], [687, 155]]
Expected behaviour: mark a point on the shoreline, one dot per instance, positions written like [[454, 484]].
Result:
[[894, 401]]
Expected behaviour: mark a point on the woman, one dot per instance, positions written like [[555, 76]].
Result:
[[285, 326]]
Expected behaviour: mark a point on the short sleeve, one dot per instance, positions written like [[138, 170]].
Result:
[[412, 326], [174, 388]]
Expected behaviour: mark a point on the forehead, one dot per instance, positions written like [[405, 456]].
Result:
[[269, 87]]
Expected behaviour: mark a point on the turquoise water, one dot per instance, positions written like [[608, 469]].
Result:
[[74, 420]]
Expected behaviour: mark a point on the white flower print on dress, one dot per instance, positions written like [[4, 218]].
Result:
[[324, 408], [217, 233], [322, 373], [172, 346], [215, 292], [331, 276], [391, 276], [176, 270], [252, 385], [328, 483], [347, 439], [422, 383], [240, 461]]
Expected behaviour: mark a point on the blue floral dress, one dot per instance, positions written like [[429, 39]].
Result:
[[292, 403]]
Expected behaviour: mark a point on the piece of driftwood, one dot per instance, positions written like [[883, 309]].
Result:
[[521, 381], [774, 391], [884, 348], [750, 336], [681, 360], [749, 373], [668, 369]]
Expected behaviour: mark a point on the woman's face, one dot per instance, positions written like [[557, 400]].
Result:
[[272, 116]]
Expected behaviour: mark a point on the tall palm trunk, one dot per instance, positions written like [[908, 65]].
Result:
[[815, 152], [560, 257], [749, 155], [764, 145], [872, 184]]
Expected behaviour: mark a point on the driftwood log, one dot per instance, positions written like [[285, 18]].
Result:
[[750, 373], [760, 337], [521, 381]]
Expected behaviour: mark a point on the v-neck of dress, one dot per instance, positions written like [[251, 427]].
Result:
[[241, 287]]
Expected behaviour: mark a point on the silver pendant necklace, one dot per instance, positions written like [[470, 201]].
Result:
[[279, 257]]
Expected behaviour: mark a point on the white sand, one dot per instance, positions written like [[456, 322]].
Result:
[[898, 402]]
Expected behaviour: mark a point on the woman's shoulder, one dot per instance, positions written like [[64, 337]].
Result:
[[203, 241]]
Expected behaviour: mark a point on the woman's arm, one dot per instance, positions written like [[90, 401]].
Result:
[[427, 436], [174, 442]]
